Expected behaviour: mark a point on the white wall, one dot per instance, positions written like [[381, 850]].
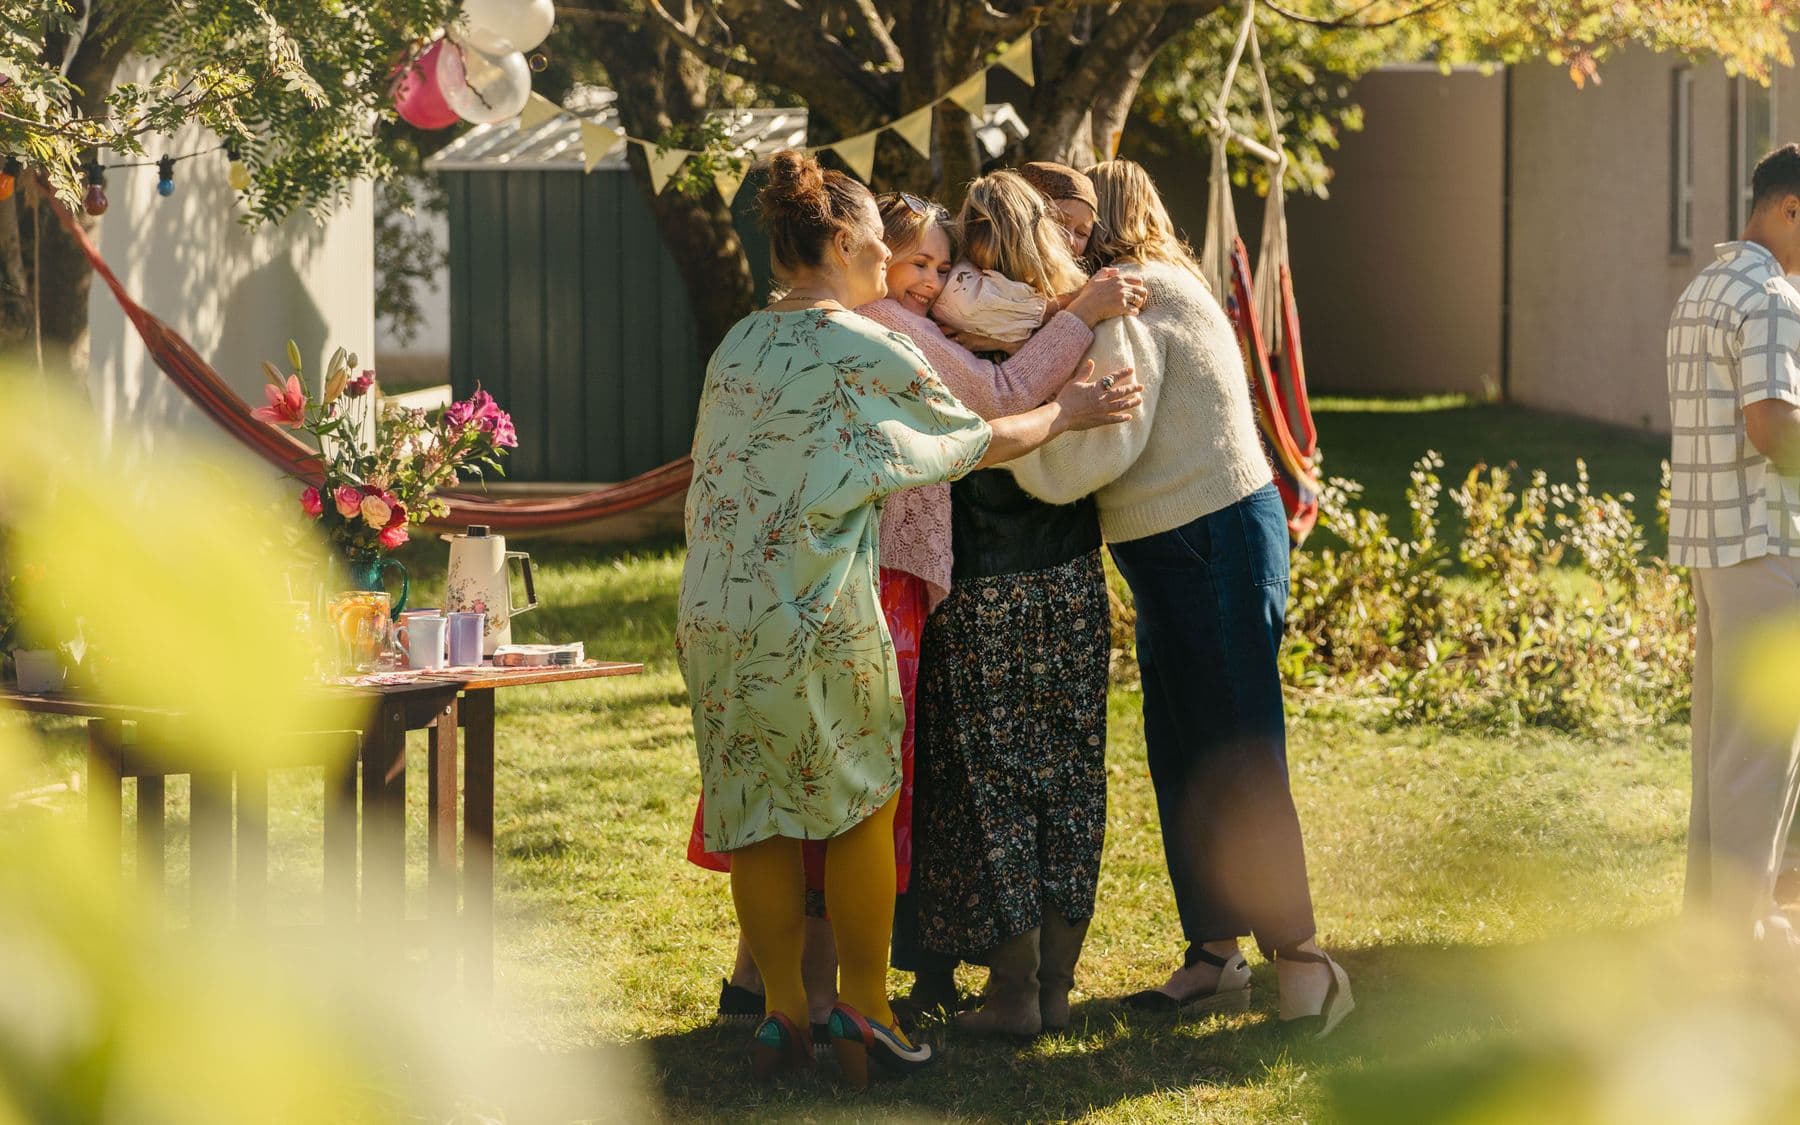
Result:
[[236, 293], [426, 359]]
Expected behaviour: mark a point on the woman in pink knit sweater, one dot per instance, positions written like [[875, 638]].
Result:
[[916, 556]]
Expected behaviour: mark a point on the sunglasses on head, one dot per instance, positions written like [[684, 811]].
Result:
[[921, 207]]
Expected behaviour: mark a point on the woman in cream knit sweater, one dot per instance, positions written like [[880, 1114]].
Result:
[[1189, 512]]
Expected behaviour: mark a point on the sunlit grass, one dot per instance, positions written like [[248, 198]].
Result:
[[1432, 856]]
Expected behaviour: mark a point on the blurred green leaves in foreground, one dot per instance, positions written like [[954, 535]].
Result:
[[180, 571]]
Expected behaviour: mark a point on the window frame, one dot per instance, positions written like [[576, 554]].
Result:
[[1681, 160], [1747, 150]]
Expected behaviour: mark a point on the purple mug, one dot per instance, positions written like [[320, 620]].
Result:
[[466, 631]]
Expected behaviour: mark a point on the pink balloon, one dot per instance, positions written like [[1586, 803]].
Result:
[[417, 98]]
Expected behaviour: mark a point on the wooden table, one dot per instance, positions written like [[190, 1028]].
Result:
[[443, 703]]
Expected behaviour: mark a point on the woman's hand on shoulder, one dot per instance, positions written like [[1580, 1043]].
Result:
[[977, 343], [1089, 401], [1109, 293]]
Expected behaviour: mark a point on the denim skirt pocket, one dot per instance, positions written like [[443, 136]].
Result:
[[1262, 520]]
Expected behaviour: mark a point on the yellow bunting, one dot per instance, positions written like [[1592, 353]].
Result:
[[859, 153], [537, 111], [915, 130], [727, 182], [1017, 58], [662, 164], [596, 142], [971, 95]]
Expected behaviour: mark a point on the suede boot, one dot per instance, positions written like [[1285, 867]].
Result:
[[1059, 949], [1010, 1006]]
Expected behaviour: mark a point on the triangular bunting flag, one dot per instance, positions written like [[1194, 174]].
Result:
[[1017, 58], [727, 182], [537, 111], [663, 164], [915, 130], [859, 153], [971, 95], [596, 142]]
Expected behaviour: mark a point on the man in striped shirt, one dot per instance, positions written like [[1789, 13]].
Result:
[[1734, 519]]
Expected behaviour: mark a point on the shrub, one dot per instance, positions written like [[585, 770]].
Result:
[[1545, 610]]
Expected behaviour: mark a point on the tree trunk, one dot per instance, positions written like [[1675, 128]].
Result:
[[60, 285], [15, 282], [660, 86]]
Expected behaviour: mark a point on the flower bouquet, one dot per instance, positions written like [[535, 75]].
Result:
[[382, 468]]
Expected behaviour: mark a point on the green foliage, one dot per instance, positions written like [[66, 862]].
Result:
[[297, 86], [1557, 620]]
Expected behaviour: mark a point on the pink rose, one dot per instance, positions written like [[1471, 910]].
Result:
[[376, 512], [311, 503], [359, 386], [286, 406], [393, 537], [348, 499]]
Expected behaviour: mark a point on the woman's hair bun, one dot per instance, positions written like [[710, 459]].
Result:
[[803, 206], [795, 189]]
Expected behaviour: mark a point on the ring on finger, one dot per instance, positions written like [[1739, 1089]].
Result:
[[1107, 382]]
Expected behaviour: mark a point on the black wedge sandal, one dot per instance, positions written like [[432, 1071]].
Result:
[[1338, 1000], [1230, 994]]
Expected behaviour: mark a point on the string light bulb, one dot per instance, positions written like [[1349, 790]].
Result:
[[9, 178], [165, 176], [236, 173], [95, 202]]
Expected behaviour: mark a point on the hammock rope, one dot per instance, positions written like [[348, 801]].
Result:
[[1261, 305], [218, 401]]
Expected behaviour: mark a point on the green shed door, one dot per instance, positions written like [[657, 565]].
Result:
[[566, 306]]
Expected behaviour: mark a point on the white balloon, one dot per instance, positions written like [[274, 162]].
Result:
[[499, 26], [483, 88]]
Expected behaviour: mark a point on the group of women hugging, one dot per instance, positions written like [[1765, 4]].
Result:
[[894, 623]]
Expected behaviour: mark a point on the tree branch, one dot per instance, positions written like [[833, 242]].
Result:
[[986, 18], [1348, 21], [591, 16], [878, 33], [793, 50], [679, 34]]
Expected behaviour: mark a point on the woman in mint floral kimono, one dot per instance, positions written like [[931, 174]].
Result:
[[811, 415]]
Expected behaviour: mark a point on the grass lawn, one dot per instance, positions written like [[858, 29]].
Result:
[[1439, 862]]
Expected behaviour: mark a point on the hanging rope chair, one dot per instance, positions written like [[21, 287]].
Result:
[[1262, 307], [215, 398]]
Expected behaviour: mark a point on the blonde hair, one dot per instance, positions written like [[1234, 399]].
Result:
[[1131, 221], [1006, 227], [903, 226]]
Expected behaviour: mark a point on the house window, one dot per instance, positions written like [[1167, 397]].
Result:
[[1681, 162], [1753, 135]]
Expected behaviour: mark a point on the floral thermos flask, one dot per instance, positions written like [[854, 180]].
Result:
[[478, 583]]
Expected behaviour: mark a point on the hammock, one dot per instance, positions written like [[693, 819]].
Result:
[[215, 398], [1262, 308]]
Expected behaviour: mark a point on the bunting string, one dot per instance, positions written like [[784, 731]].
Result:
[[857, 153]]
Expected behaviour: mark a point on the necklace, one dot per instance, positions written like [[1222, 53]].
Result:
[[807, 302]]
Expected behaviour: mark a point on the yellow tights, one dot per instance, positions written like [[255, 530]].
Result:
[[768, 885]]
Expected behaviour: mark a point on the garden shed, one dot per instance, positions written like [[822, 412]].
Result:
[[566, 305]]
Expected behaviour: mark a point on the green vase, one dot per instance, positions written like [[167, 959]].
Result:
[[366, 571]]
